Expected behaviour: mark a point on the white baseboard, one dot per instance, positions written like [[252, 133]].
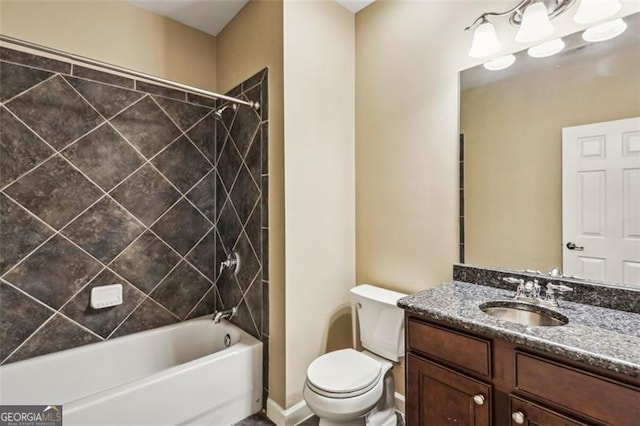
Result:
[[400, 404], [289, 417]]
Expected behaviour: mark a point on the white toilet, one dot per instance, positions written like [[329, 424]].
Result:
[[348, 387]]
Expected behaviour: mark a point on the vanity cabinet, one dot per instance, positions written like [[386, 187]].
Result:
[[457, 378]]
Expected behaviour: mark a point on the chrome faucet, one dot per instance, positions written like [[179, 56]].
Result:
[[228, 314], [531, 291], [233, 261]]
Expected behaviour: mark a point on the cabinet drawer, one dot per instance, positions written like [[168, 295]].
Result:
[[597, 397], [453, 348], [532, 414]]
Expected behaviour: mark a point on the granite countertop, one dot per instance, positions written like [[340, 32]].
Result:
[[597, 336]]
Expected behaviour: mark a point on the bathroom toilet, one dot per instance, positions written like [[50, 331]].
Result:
[[347, 387]]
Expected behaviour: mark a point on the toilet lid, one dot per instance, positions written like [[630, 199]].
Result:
[[343, 371]]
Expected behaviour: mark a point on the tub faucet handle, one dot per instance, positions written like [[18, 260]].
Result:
[[233, 261]]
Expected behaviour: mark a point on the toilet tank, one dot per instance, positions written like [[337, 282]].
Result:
[[381, 321]]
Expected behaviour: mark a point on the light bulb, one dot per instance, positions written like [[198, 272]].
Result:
[[535, 24], [500, 63], [485, 42], [596, 10], [545, 49], [605, 31]]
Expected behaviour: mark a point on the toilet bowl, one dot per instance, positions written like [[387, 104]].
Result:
[[347, 387]]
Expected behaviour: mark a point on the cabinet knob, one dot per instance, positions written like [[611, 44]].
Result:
[[518, 417], [478, 399]]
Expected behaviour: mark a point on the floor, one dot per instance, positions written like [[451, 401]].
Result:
[[262, 420]]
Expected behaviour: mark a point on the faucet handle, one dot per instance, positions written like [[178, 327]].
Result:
[[560, 288], [512, 280]]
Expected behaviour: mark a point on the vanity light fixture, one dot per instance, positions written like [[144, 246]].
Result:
[[533, 17], [548, 48], [500, 63], [605, 31]]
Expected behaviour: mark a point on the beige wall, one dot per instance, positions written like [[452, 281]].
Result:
[[118, 33], [513, 154], [250, 42], [319, 72]]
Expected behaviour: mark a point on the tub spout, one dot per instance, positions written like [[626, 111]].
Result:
[[228, 314]]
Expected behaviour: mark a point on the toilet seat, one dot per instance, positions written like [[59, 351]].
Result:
[[344, 373]]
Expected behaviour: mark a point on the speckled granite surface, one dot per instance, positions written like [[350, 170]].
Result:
[[597, 336]]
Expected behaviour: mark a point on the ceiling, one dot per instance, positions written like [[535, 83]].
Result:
[[211, 16]]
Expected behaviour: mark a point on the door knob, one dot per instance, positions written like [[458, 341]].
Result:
[[518, 417], [573, 246], [478, 399]]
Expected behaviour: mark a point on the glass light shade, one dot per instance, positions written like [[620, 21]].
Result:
[[605, 31], [535, 24], [545, 49], [591, 11], [500, 63], [485, 42]]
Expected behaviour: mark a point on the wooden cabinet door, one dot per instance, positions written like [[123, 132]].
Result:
[[437, 396], [529, 414]]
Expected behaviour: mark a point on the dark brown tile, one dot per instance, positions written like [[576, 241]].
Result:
[[220, 255], [56, 335], [256, 420], [146, 194], [253, 298], [265, 308], [108, 100], [221, 135], [229, 290], [229, 164], [20, 317], [54, 273], [15, 79], [244, 128], [253, 80], [229, 226], [203, 256], [250, 263], [181, 290], [37, 61], [206, 306], [245, 194], [102, 321], [160, 90], [264, 106], [264, 131], [148, 315], [55, 112], [145, 262], [104, 156], [104, 77], [253, 160], [265, 254], [20, 148], [55, 192], [104, 230], [203, 136], [182, 227], [183, 114], [182, 164], [245, 320], [253, 229], [202, 100], [203, 195], [264, 201], [20, 233], [221, 196], [146, 127]]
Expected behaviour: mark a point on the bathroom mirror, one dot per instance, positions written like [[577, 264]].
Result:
[[512, 160]]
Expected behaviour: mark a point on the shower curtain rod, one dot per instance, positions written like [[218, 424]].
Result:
[[116, 68]]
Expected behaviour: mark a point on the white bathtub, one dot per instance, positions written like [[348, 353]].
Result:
[[178, 374]]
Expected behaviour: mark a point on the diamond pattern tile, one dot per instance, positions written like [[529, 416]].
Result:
[[54, 273], [55, 192], [245, 194], [20, 233], [222, 134], [145, 262], [148, 315], [15, 79], [229, 164], [244, 128], [181, 290], [230, 291], [253, 299], [221, 196], [203, 135], [203, 256], [203, 195], [56, 335], [182, 164], [206, 306], [20, 317], [107, 100], [182, 227], [55, 112], [104, 230], [250, 263], [254, 157], [104, 156], [102, 321], [146, 194], [183, 114], [20, 148], [143, 119], [229, 226], [245, 320]]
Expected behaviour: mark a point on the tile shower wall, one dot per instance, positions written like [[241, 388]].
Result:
[[105, 179]]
